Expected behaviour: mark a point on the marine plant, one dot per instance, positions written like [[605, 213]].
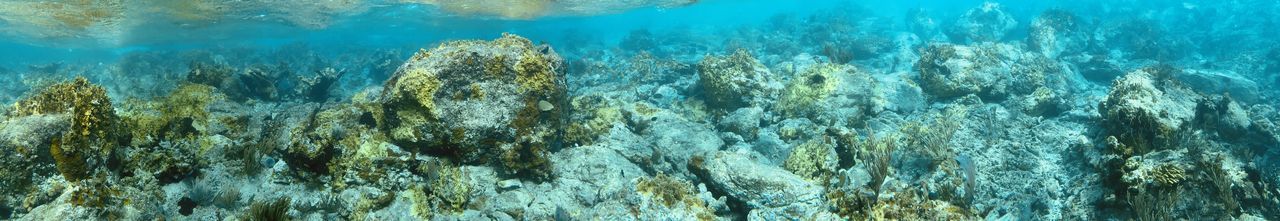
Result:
[[875, 154], [1149, 204], [447, 190], [1221, 183], [271, 210], [934, 140]]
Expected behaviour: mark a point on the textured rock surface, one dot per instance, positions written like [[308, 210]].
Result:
[[480, 100], [1056, 33], [983, 24], [1219, 82], [733, 81], [758, 186], [1144, 106], [989, 70]]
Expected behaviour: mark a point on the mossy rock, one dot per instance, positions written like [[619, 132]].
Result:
[[95, 129], [593, 117], [814, 160], [334, 140], [173, 117], [730, 82], [478, 100], [674, 193], [803, 94]]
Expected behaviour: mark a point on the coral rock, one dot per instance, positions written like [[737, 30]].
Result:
[[814, 160], [478, 100], [732, 81], [1057, 32], [1145, 106], [93, 134], [983, 24], [988, 70], [810, 87], [759, 186]]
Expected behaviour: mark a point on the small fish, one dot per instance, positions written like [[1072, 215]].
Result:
[[970, 174], [545, 106]]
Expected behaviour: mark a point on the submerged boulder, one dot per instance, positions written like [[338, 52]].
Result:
[[1222, 82], [733, 81], [1222, 115], [94, 132], [983, 24], [811, 86], [989, 70], [1056, 32], [1145, 106], [762, 188], [478, 100]]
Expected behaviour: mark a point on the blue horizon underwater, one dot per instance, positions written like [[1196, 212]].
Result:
[[639, 110]]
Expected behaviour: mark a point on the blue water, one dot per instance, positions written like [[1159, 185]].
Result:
[[639, 110]]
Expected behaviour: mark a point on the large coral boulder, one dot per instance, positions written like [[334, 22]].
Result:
[[479, 100], [1146, 106]]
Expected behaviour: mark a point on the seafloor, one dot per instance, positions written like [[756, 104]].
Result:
[[1140, 112]]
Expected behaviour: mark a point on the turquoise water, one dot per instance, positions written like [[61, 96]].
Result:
[[639, 110]]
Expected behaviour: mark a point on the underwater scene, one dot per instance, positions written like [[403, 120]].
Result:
[[567, 110]]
